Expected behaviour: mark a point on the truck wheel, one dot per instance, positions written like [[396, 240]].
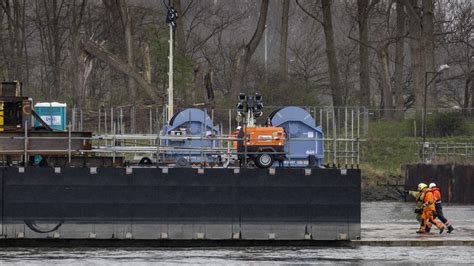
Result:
[[182, 162], [145, 160], [264, 160]]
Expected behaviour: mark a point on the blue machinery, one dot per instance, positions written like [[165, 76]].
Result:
[[190, 123], [304, 140], [304, 144]]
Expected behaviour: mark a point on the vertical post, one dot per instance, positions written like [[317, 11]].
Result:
[[327, 130], [105, 121], [121, 128], [230, 135], [170, 76], [358, 136], [334, 136], [112, 128], [113, 143], [345, 129], [352, 137], [69, 145], [266, 55], [98, 129], [25, 160], [73, 118], [150, 121], [81, 126], [424, 111]]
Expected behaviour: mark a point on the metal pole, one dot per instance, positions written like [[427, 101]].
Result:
[[112, 128], [266, 55], [121, 128], [151, 121], [358, 136], [334, 136], [424, 109], [105, 121], [73, 116], [352, 137], [69, 145], [25, 160], [82, 122], [170, 76], [99, 122], [345, 126]]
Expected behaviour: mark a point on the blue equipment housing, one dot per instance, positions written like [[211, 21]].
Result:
[[303, 137], [191, 122]]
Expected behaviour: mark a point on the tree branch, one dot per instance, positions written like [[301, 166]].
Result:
[[308, 13], [100, 53]]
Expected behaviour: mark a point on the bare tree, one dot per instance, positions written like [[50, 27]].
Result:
[[334, 79], [283, 62], [14, 48], [81, 64], [245, 52], [127, 29], [48, 17], [364, 67], [399, 59], [99, 52], [416, 51], [429, 49]]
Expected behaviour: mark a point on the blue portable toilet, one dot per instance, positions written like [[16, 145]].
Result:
[[303, 137], [53, 114], [191, 122]]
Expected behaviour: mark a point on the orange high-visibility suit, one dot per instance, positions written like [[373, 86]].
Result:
[[428, 210]]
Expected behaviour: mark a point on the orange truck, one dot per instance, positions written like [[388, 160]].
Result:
[[263, 145]]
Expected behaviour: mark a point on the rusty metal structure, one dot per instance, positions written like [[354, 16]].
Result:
[[20, 139]]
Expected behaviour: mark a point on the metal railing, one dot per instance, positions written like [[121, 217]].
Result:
[[128, 130], [116, 145], [432, 152]]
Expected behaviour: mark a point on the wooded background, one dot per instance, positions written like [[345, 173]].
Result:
[[372, 53]]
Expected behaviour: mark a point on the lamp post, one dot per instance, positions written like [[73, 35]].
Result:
[[427, 83]]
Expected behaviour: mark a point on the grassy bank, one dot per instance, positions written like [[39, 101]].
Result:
[[391, 144]]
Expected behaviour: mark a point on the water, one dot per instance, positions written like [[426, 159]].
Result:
[[380, 220]]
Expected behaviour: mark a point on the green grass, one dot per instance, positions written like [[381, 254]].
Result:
[[390, 145]]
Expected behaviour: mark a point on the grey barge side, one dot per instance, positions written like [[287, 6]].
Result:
[[189, 204]]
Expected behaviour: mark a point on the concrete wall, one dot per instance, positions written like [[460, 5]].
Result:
[[162, 203]]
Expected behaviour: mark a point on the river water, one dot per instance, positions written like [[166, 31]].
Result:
[[380, 220]]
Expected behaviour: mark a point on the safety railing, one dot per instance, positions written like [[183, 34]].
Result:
[[153, 144], [432, 152]]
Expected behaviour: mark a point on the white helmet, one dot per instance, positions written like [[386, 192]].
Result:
[[432, 185]]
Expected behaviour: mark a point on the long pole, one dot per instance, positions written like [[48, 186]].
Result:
[[170, 76], [424, 107], [266, 55], [427, 83]]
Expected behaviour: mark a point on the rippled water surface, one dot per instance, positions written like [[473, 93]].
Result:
[[360, 255], [385, 220]]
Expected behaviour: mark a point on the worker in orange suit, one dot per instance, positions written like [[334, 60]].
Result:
[[429, 210], [439, 208]]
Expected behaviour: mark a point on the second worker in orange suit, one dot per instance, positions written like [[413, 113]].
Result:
[[429, 209], [439, 208]]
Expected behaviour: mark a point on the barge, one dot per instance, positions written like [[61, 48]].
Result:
[[193, 186]]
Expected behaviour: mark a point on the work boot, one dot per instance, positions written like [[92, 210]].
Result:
[[450, 229]]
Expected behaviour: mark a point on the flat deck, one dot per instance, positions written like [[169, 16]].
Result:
[[394, 224]]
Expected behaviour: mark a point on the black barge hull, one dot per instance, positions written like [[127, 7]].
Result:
[[180, 204]]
